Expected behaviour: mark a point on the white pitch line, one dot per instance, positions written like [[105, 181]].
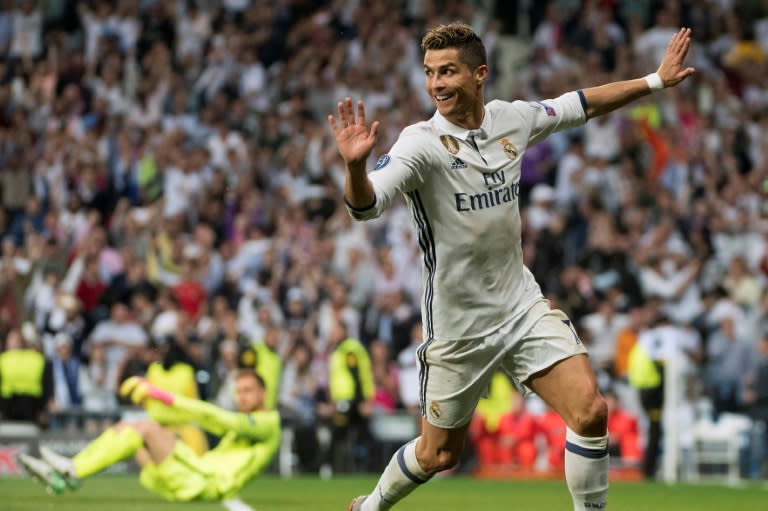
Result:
[[236, 505]]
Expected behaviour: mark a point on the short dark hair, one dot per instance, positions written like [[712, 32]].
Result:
[[459, 36], [247, 372]]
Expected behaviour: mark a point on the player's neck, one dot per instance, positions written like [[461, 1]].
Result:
[[470, 120]]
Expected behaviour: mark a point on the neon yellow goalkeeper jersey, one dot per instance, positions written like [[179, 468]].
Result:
[[248, 442]]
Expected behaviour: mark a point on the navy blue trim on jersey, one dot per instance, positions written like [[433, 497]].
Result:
[[594, 454], [360, 210], [410, 475], [583, 100], [421, 356], [427, 243]]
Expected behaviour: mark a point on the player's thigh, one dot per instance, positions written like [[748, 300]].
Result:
[[453, 375], [550, 360], [181, 476], [546, 338]]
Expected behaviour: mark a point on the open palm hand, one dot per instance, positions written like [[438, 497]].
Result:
[[672, 70], [353, 138]]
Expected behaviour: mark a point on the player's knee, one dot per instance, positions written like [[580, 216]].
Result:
[[145, 427], [439, 460], [593, 419]]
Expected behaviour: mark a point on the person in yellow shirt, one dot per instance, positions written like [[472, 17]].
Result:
[[26, 380], [268, 365], [250, 438], [174, 374], [351, 388]]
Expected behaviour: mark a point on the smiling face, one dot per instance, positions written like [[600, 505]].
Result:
[[455, 68], [456, 89]]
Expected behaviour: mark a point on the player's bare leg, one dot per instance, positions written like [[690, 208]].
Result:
[[570, 388], [414, 464], [158, 441]]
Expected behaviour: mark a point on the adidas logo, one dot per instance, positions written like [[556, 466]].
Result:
[[458, 164]]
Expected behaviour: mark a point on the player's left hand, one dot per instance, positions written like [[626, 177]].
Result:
[[135, 389], [138, 390], [672, 70]]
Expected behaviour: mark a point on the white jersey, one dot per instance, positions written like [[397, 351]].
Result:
[[462, 189]]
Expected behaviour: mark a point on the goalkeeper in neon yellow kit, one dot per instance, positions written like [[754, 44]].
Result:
[[249, 440]]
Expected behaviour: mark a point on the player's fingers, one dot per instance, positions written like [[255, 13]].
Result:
[[684, 43], [672, 41], [342, 117], [678, 39], [360, 113], [375, 129], [332, 123], [127, 387], [349, 111]]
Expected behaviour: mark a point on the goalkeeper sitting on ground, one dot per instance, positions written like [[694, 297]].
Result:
[[249, 440]]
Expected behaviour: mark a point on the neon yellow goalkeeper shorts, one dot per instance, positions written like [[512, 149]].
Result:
[[182, 476]]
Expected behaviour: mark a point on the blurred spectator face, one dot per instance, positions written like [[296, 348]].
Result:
[[728, 328], [302, 356], [272, 338], [228, 353], [14, 340], [120, 313], [738, 267]]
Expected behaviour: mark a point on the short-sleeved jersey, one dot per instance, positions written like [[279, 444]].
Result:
[[462, 188]]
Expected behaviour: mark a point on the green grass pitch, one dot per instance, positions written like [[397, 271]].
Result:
[[118, 493]]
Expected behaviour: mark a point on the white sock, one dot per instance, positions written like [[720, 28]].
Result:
[[402, 475], [586, 470]]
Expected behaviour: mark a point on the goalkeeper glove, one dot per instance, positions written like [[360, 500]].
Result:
[[138, 390]]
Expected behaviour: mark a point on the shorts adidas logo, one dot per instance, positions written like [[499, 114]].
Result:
[[458, 164]]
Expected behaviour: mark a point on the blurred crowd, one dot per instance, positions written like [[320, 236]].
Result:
[[171, 195]]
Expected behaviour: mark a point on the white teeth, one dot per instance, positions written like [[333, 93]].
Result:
[[441, 98]]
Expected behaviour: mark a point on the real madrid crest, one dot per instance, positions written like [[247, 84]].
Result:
[[509, 149], [450, 143], [434, 409]]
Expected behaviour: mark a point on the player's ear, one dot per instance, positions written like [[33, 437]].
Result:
[[481, 74]]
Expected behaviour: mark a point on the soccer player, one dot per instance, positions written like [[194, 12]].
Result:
[[482, 309], [170, 468]]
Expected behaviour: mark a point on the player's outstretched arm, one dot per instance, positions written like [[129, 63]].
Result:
[[606, 98], [355, 142], [209, 417], [256, 425]]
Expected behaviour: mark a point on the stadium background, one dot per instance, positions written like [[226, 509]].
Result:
[[172, 194]]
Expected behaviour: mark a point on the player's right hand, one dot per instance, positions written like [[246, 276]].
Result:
[[353, 139]]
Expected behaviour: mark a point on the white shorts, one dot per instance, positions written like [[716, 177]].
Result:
[[454, 375]]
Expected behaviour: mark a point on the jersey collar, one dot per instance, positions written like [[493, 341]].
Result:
[[448, 127]]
